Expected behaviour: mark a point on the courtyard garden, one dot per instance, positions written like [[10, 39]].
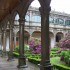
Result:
[[59, 56]]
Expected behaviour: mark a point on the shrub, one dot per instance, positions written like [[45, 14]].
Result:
[[65, 45], [26, 47], [65, 42], [35, 46], [65, 56], [55, 49]]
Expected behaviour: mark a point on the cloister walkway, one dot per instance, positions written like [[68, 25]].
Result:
[[12, 65]]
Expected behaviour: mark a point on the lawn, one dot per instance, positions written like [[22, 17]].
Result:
[[59, 64]]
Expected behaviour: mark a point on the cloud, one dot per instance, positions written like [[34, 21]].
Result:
[[35, 3], [61, 5], [57, 5]]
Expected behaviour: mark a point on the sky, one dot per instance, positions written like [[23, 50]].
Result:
[[57, 5]]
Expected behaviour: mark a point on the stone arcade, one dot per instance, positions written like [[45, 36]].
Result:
[[8, 9]]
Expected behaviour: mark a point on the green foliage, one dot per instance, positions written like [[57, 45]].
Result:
[[55, 49], [26, 47], [63, 53], [34, 58], [37, 56], [57, 64], [53, 52], [15, 54], [66, 57], [16, 49]]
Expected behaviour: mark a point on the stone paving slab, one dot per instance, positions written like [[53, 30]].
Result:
[[12, 65]]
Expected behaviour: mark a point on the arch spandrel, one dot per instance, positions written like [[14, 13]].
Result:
[[23, 7]]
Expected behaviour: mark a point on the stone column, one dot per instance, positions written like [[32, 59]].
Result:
[[14, 40], [45, 49], [0, 42], [4, 41], [54, 38], [22, 59], [10, 54], [30, 33], [15, 30]]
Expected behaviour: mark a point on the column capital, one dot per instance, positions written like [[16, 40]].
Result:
[[45, 10], [21, 21], [3, 29], [9, 26]]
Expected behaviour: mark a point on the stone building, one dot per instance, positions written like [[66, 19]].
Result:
[[59, 25], [50, 32]]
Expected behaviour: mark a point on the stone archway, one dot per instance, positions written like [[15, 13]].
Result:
[[36, 34], [26, 37], [44, 11], [45, 52], [59, 36]]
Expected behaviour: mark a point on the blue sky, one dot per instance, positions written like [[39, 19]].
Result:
[[57, 5]]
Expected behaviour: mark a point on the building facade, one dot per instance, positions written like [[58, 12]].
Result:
[[59, 25]]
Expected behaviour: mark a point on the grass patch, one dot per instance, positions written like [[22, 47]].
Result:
[[59, 64]]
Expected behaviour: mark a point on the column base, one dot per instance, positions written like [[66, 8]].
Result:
[[23, 66], [10, 56], [22, 62], [4, 54], [46, 66], [10, 59]]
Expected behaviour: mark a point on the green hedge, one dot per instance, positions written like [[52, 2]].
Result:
[[59, 64], [55, 49], [15, 54], [55, 61]]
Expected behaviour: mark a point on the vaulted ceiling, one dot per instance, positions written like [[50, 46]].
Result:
[[6, 6]]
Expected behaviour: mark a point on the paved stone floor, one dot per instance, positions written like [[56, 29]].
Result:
[[12, 65]]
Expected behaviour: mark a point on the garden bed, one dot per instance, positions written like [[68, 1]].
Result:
[[57, 64]]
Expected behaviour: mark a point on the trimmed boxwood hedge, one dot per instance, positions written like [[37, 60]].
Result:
[[55, 61], [55, 49], [15, 54], [59, 64]]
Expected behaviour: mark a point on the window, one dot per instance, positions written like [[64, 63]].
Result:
[[51, 20], [59, 21], [67, 22], [56, 21], [36, 18]]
